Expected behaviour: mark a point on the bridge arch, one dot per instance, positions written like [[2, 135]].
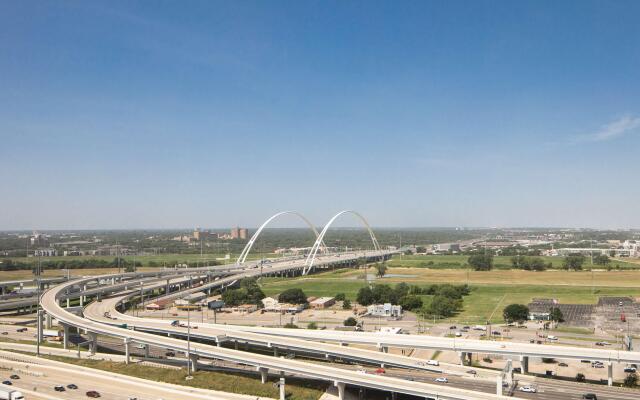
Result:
[[319, 241], [247, 248]]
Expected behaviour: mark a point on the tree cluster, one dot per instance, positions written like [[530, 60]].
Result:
[[248, 293], [293, 296], [380, 294], [481, 262], [515, 313], [529, 263], [573, 261]]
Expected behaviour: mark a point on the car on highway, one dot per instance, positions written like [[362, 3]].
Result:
[[5, 333], [72, 386], [380, 371], [93, 394], [59, 388], [472, 372], [527, 389], [21, 330], [630, 370], [453, 327], [551, 337], [170, 354], [496, 333], [458, 334], [7, 383], [433, 362], [603, 344], [442, 379], [563, 364], [14, 376], [589, 396]]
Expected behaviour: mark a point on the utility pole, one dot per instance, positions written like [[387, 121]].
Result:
[[188, 343], [39, 317]]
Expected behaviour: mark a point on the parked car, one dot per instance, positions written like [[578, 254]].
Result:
[[72, 386], [93, 394], [59, 388]]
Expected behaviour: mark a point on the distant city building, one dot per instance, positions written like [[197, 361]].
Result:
[[204, 235], [239, 233], [445, 247], [45, 253]]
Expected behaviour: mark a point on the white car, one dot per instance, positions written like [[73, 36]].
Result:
[[442, 380], [551, 337], [527, 389], [433, 362]]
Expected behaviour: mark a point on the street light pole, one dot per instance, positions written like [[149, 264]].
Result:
[[39, 317], [188, 342]]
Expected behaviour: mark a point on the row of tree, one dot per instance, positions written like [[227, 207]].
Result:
[[12, 265], [380, 294]]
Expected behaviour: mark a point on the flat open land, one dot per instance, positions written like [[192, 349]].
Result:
[[491, 290], [501, 262]]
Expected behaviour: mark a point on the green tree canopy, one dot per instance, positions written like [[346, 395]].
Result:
[[573, 261], [515, 313], [293, 296], [481, 262]]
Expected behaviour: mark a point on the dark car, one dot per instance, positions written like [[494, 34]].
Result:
[[5, 333], [495, 333], [21, 330], [563, 365], [170, 354], [630, 370], [14, 377], [452, 327], [590, 396], [72, 386], [7, 383], [93, 394], [59, 388]]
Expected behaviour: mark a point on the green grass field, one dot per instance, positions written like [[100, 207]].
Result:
[[491, 291], [501, 262], [241, 383]]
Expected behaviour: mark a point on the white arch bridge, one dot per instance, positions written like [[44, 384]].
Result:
[[318, 245]]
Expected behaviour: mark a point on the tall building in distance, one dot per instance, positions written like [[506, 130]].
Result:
[[239, 233]]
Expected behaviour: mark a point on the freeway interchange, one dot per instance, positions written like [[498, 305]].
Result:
[[123, 286]]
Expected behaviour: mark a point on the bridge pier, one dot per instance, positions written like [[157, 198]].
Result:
[[275, 352], [499, 385], [610, 373], [127, 350], [65, 338], [39, 327], [146, 351], [462, 356], [47, 321], [524, 364], [193, 362], [282, 393], [341, 389], [264, 373], [93, 342]]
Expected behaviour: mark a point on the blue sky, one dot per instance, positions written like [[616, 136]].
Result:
[[161, 114]]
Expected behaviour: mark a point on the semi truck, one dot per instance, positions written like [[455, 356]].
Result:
[[9, 393]]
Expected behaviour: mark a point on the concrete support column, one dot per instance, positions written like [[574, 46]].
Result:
[[93, 345], [470, 358], [394, 395], [462, 356], [146, 351], [275, 352], [47, 321], [264, 373], [194, 362], [524, 364], [609, 373], [282, 393], [65, 338], [499, 385], [341, 386], [167, 288], [68, 302], [39, 327], [235, 344], [127, 350]]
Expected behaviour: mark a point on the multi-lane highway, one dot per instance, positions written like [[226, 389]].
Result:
[[339, 377]]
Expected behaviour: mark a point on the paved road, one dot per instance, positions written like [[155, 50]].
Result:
[[41, 375]]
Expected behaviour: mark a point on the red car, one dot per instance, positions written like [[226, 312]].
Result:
[[380, 371]]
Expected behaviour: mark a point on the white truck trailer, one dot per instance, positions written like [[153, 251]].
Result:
[[9, 393]]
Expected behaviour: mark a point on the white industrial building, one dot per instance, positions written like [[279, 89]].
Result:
[[384, 310]]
